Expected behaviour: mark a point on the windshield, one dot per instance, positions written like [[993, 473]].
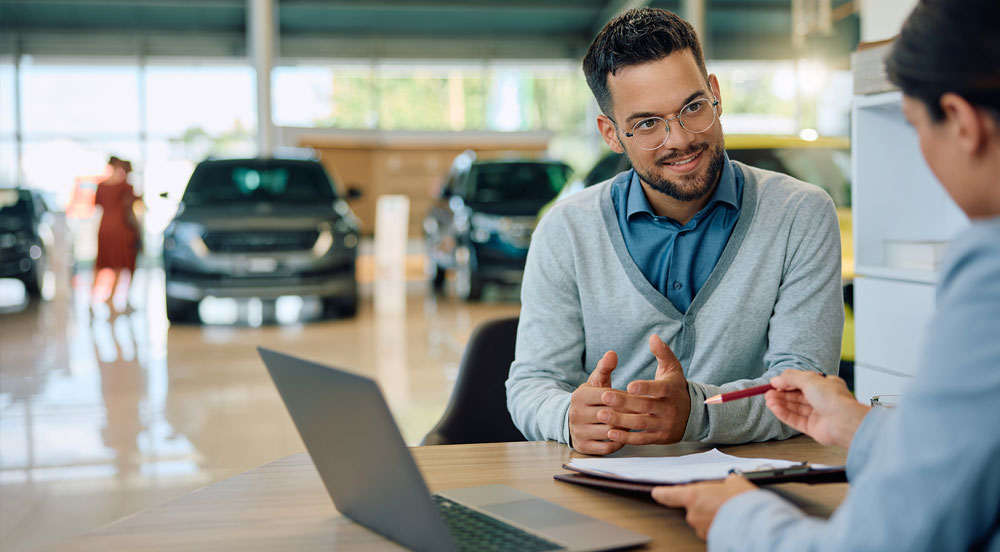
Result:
[[15, 203], [498, 182], [258, 182]]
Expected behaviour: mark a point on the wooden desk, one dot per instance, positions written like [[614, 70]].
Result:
[[282, 506]]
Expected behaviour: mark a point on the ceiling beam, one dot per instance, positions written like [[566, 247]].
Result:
[[613, 8], [130, 3]]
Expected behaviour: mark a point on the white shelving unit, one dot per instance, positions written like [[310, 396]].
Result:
[[895, 200]]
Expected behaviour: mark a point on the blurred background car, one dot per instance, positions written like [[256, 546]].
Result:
[[481, 224], [27, 235], [261, 228]]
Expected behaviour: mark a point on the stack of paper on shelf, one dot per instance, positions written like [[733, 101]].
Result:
[[914, 255], [868, 67]]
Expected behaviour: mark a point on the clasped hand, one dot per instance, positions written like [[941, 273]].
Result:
[[603, 420]]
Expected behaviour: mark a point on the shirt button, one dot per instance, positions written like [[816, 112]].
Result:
[[689, 319], [678, 285]]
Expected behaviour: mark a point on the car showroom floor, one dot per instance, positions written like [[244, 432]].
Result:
[[102, 416]]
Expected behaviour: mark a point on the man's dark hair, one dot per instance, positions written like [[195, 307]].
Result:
[[948, 46], [637, 36]]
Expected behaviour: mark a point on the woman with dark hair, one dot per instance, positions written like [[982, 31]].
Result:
[[118, 234], [926, 476]]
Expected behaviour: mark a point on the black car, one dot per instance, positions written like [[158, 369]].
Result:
[[481, 225], [261, 227], [26, 236]]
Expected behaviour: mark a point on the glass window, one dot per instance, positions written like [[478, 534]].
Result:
[[214, 101], [7, 107], [355, 99], [418, 100], [66, 100], [8, 162], [302, 96]]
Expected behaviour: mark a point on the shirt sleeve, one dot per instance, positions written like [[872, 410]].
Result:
[[929, 479], [548, 363], [864, 441], [804, 331]]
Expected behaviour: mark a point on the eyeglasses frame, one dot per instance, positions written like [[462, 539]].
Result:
[[715, 115]]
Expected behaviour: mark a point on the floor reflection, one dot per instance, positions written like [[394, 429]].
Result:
[[104, 414]]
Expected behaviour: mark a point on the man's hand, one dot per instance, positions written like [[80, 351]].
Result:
[[702, 500], [587, 433], [820, 407], [657, 410]]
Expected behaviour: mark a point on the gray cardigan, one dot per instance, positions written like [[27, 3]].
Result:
[[773, 302]]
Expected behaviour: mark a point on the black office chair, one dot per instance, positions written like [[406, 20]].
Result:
[[477, 411]]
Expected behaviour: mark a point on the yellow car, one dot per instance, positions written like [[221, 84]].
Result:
[[825, 162]]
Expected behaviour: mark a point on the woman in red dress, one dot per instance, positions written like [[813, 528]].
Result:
[[118, 237]]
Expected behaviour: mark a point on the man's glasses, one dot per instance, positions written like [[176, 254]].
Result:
[[695, 117]]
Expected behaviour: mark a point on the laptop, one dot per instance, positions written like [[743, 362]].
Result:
[[370, 475]]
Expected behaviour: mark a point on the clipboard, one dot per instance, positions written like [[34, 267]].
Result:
[[801, 473]]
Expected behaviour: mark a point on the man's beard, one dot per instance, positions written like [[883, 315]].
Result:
[[697, 186]]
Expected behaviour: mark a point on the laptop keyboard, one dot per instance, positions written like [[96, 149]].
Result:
[[474, 531]]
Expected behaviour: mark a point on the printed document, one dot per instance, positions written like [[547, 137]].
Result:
[[672, 470]]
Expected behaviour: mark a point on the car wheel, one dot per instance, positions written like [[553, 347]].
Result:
[[468, 284], [34, 278], [437, 277], [340, 307], [180, 310]]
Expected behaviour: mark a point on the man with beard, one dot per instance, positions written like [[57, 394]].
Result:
[[727, 273]]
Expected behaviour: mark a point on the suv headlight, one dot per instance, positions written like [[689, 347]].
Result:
[[489, 223], [484, 226], [181, 234], [324, 241], [349, 230]]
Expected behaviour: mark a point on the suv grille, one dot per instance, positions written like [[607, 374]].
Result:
[[249, 241], [518, 231]]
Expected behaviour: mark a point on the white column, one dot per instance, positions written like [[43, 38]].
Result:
[[693, 11], [261, 47], [392, 216], [18, 110]]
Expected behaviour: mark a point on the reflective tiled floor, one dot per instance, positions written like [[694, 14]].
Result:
[[104, 415]]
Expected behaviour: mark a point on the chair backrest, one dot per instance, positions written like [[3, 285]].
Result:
[[477, 411]]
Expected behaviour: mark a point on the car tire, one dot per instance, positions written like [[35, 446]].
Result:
[[468, 284], [34, 278], [437, 278], [182, 311], [340, 307]]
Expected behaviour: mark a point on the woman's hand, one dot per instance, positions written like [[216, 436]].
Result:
[[818, 406], [702, 500]]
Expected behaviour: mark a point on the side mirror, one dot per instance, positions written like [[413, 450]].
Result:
[[164, 195], [353, 192]]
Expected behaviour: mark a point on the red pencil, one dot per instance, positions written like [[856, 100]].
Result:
[[741, 394]]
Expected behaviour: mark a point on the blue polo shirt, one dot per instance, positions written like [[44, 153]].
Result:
[[676, 259]]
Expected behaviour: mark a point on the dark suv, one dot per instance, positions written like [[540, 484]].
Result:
[[26, 236], [481, 224], [260, 228]]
